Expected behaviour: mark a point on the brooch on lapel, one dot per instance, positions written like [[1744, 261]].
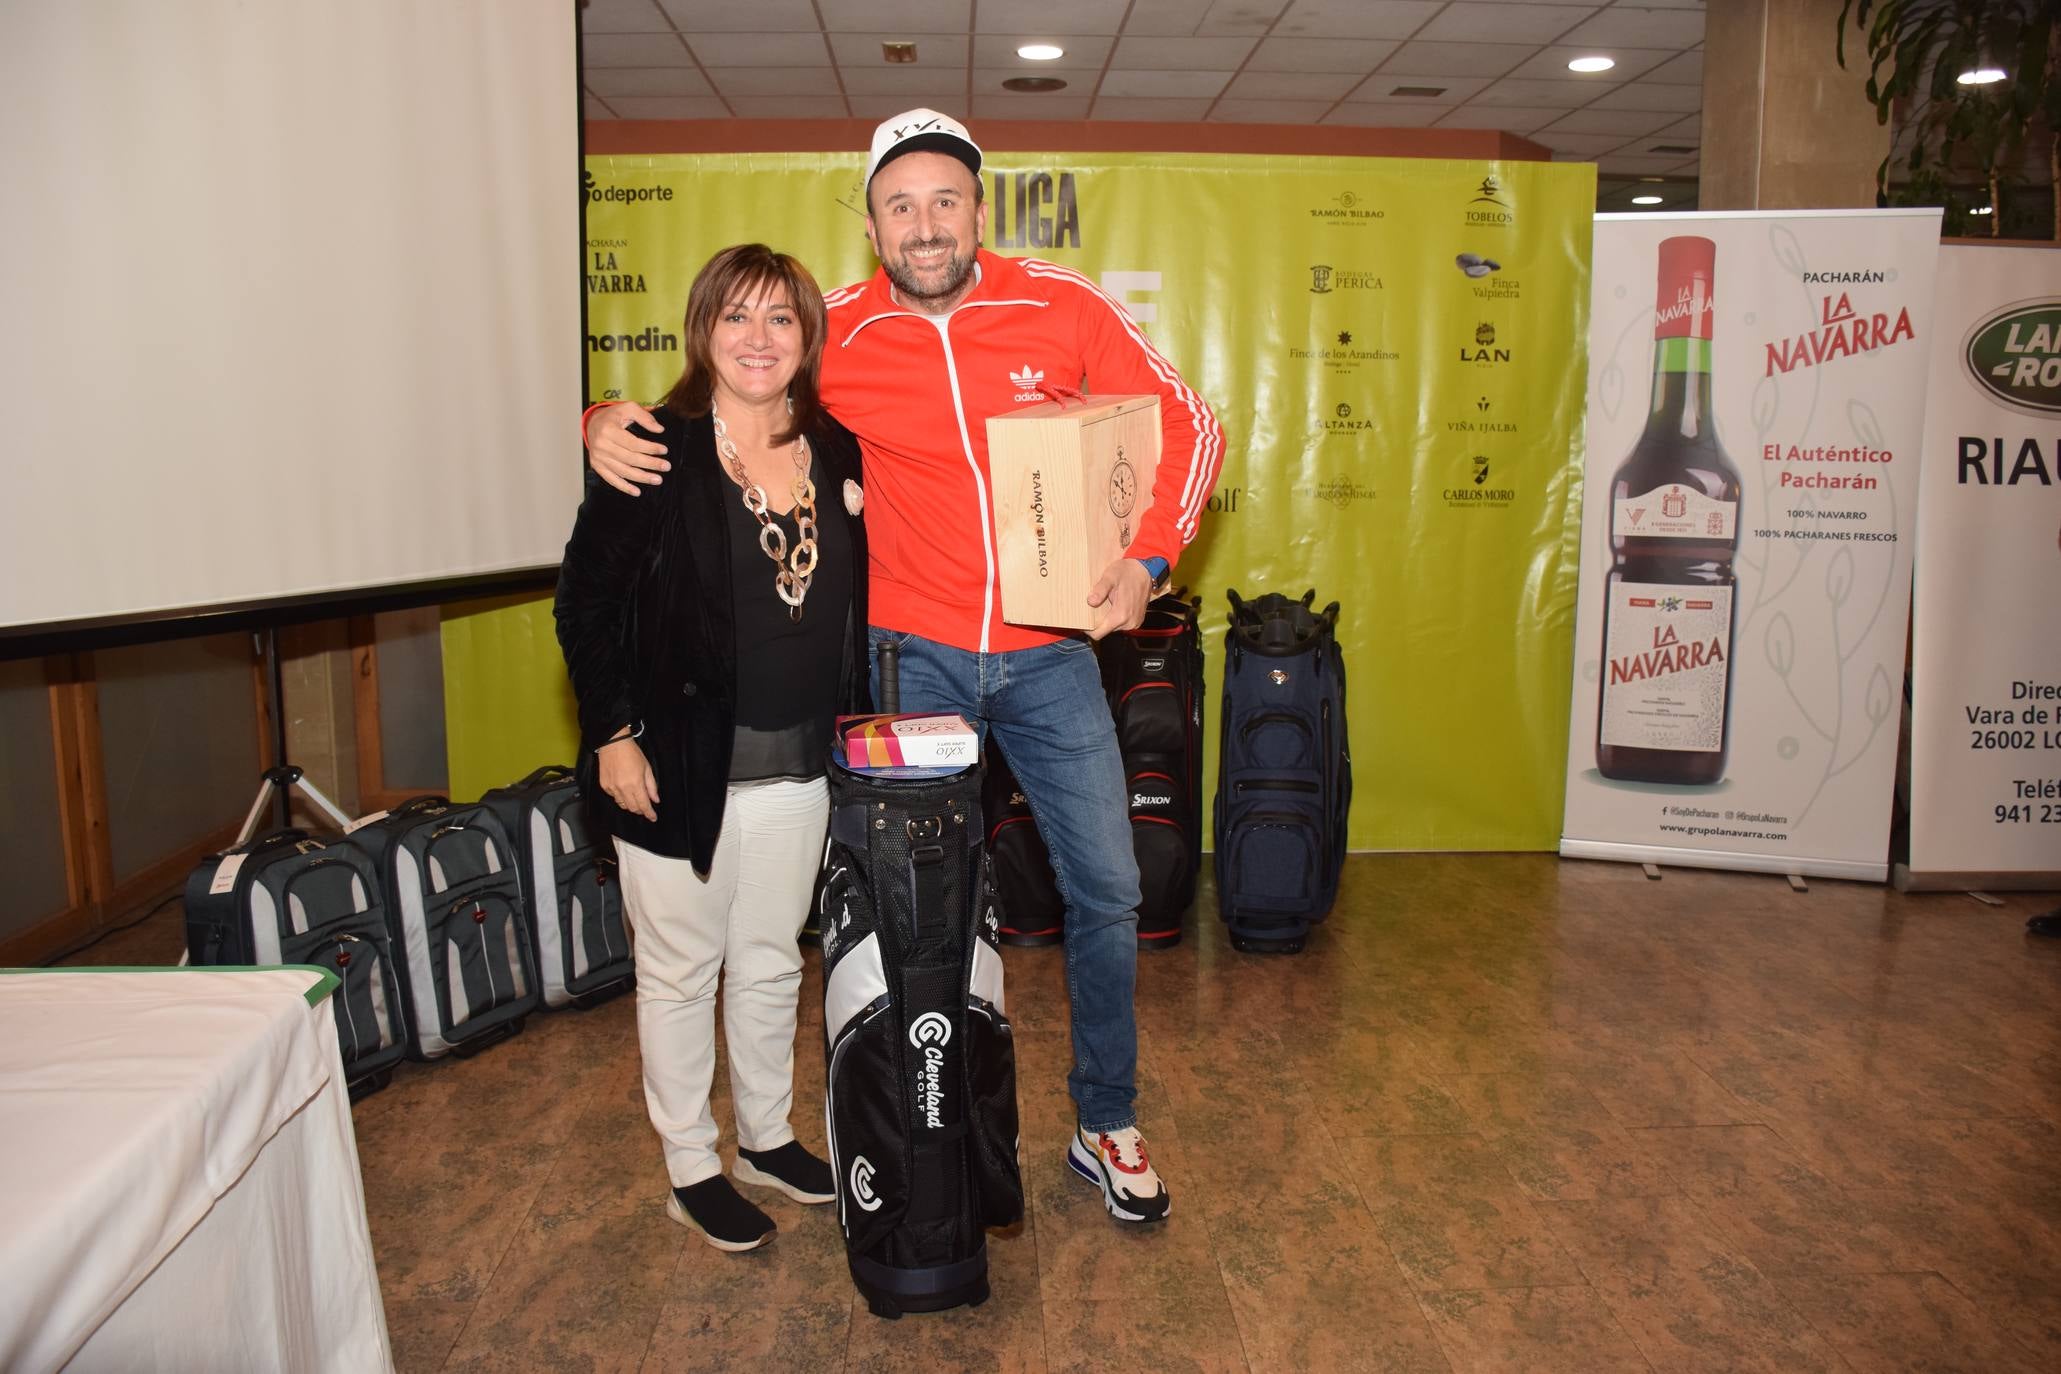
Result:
[[854, 499]]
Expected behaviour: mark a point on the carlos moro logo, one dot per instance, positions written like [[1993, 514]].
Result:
[[1842, 332], [2015, 356], [595, 192], [930, 1033], [861, 1178], [1026, 384], [1490, 207]]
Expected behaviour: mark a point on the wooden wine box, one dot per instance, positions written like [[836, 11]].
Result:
[[1070, 482]]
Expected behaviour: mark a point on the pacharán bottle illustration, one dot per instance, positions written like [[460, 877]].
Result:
[[1664, 709]]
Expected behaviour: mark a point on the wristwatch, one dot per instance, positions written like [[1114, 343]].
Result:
[[1159, 570]]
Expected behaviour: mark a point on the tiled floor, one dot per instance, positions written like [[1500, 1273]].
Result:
[[1505, 1113]]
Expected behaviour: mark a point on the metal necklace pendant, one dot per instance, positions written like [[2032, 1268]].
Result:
[[796, 569]]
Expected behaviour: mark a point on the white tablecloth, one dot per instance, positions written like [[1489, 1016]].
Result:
[[179, 1184]]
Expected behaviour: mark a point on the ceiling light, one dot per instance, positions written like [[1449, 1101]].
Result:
[[1035, 85], [898, 52], [1592, 64], [1645, 200], [1418, 90], [1983, 210], [1041, 52], [1982, 76]]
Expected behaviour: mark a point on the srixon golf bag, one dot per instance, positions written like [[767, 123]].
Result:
[[1153, 675], [921, 1098], [1026, 893], [1284, 778]]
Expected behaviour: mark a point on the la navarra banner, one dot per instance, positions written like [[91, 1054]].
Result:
[[1986, 633], [1394, 350], [1755, 418]]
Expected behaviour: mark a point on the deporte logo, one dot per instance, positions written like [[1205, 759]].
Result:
[[595, 192]]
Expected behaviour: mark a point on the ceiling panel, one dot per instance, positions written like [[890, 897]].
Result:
[[1566, 95], [609, 82], [910, 81], [1578, 145], [1174, 54], [1650, 95], [1551, 62], [1268, 111], [1451, 89], [1625, 123], [788, 106], [1065, 105], [726, 16], [1640, 28], [1068, 16], [1468, 59], [1514, 119], [1354, 18], [1164, 85], [1686, 70], [916, 16], [1291, 86], [1084, 52], [667, 107], [1357, 55], [762, 50], [800, 82], [633, 50], [1479, 23], [875, 106], [933, 50], [622, 16], [1155, 111], [1377, 116]]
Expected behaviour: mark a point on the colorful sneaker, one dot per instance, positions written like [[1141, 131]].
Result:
[[790, 1168], [1116, 1162], [721, 1214]]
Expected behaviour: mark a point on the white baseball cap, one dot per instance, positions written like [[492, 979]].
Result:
[[921, 131]]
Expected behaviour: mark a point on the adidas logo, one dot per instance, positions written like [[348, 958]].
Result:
[[1026, 384]]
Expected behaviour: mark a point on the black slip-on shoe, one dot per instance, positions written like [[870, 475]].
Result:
[[721, 1214], [791, 1169]]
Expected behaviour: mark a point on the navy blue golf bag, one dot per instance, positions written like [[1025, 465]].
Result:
[[1284, 780]]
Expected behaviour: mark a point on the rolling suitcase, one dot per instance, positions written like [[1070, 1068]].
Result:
[[454, 906], [1284, 774], [921, 1087], [569, 890], [289, 898]]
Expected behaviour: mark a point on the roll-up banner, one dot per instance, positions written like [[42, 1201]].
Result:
[[1756, 407], [1394, 350], [1986, 628]]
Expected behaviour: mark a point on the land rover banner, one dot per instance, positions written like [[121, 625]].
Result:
[[1756, 407], [1986, 624], [1393, 346]]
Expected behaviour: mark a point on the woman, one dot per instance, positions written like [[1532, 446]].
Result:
[[709, 626]]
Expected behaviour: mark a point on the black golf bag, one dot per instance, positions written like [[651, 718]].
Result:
[[921, 1098], [1284, 777], [1026, 894], [289, 898], [1153, 675], [569, 890]]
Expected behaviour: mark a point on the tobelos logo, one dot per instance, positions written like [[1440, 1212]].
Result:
[[862, 1185], [931, 1028]]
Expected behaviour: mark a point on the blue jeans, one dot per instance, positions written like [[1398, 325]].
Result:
[[1047, 709]]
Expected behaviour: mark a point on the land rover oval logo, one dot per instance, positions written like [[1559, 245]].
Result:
[[2015, 355]]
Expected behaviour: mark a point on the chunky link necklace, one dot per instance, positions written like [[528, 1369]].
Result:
[[798, 570]]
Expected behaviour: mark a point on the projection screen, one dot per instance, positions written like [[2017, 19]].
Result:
[[291, 299]]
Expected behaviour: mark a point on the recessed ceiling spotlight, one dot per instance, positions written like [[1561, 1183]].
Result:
[[1983, 210], [1041, 52], [1645, 200], [898, 52], [1592, 64], [1034, 85], [1982, 76]]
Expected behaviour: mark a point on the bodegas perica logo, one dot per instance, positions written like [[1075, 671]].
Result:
[[2015, 356]]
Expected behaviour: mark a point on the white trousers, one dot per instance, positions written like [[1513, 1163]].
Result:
[[739, 920]]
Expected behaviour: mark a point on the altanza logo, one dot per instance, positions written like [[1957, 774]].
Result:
[[2015, 356], [622, 195], [1026, 384], [1842, 332], [930, 1033]]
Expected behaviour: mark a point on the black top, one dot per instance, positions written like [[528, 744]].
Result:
[[787, 669]]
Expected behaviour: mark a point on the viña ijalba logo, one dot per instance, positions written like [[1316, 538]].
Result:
[[862, 1185], [2015, 356]]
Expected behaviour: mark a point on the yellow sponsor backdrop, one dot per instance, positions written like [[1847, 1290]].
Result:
[[1402, 428]]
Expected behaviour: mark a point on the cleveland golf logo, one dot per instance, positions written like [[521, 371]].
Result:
[[930, 1032], [931, 1028], [862, 1185]]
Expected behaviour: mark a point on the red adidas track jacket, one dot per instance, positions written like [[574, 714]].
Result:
[[918, 390]]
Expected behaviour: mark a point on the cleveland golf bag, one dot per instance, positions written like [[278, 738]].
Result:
[[921, 1101], [1284, 777]]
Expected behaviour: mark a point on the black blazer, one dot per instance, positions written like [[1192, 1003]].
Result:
[[649, 631]]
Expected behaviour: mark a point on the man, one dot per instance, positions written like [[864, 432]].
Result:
[[916, 359]]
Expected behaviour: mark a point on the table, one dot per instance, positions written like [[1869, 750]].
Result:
[[179, 1176]]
